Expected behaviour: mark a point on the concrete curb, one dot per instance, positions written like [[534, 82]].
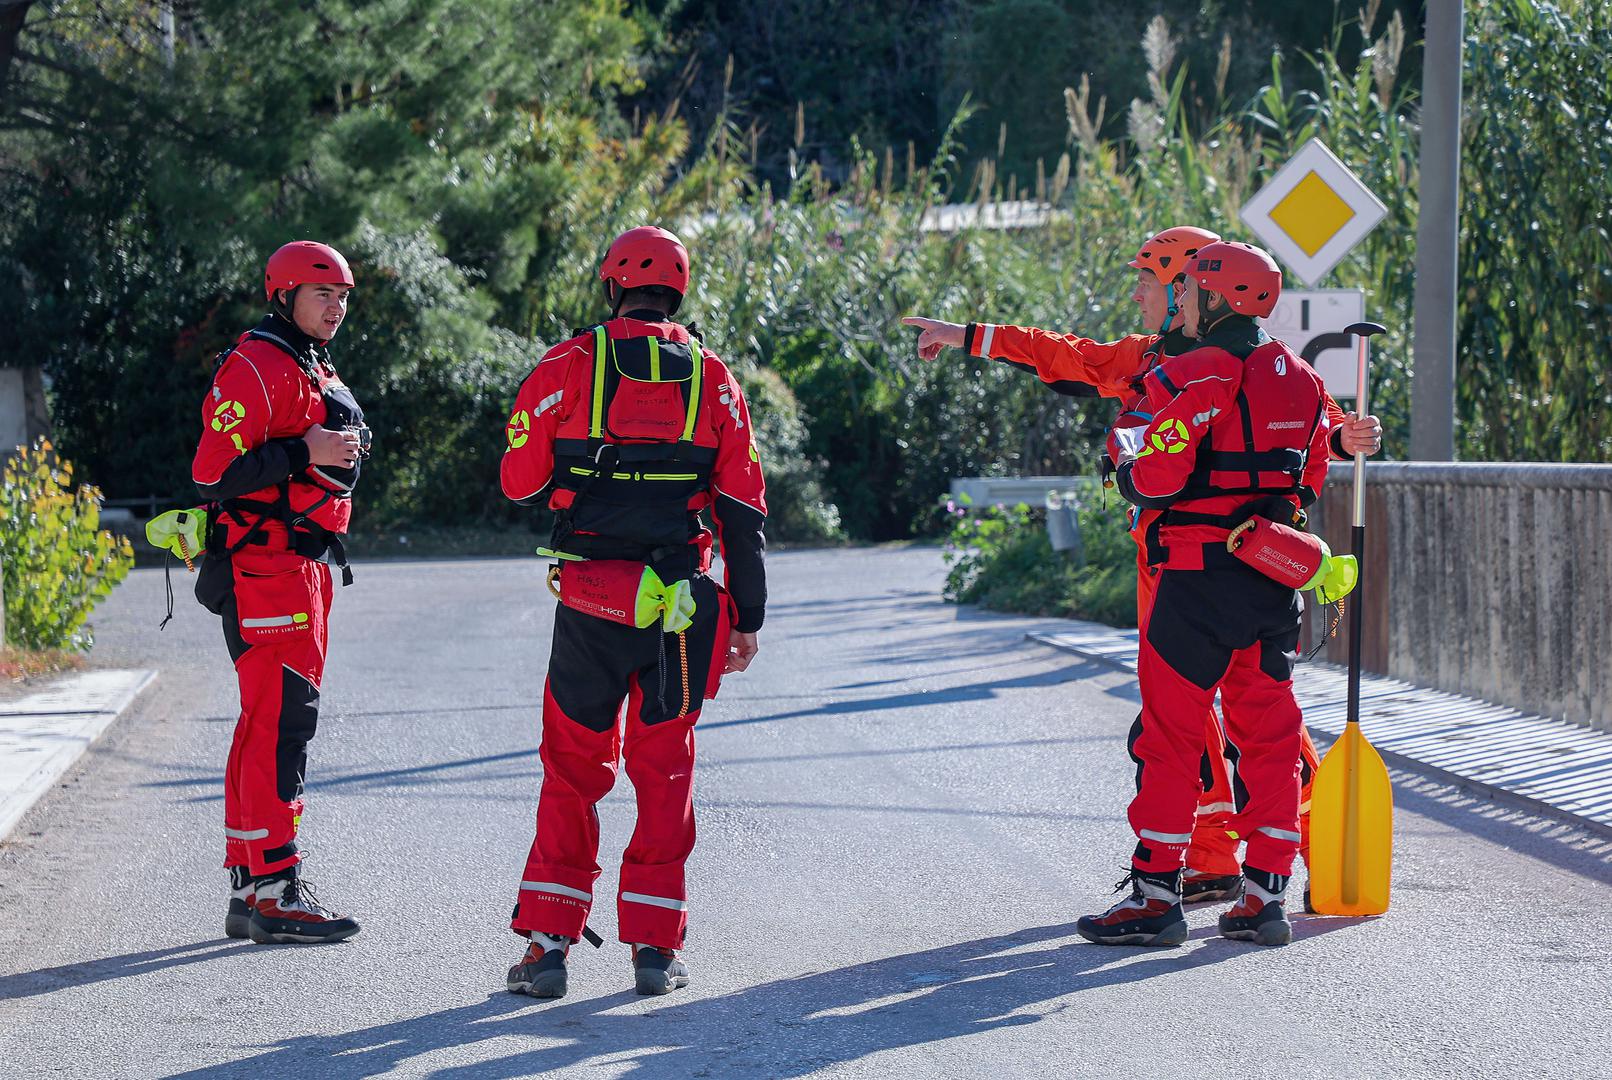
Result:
[[43, 734], [1545, 766]]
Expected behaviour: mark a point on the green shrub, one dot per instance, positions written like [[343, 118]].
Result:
[[1001, 558], [57, 563]]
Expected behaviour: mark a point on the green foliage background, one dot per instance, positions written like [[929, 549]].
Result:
[[56, 560], [474, 156]]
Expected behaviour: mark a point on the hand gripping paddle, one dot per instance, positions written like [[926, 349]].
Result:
[[1352, 802]]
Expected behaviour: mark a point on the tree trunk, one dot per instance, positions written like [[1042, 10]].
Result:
[[12, 15]]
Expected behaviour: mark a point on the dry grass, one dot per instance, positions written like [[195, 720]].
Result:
[[19, 665]]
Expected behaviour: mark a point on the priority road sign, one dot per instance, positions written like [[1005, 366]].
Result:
[[1312, 322], [1312, 212]]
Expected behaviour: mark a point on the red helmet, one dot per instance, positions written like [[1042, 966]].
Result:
[[1245, 275], [1166, 253], [646, 256], [304, 262]]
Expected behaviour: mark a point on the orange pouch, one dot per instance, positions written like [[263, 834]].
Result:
[[1279, 552], [604, 588]]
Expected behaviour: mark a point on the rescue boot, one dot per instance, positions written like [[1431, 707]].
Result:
[[1198, 887], [287, 912], [541, 972], [241, 895], [1260, 913], [1151, 915], [657, 971]]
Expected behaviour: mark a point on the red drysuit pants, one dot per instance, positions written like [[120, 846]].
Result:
[[1213, 849], [594, 668], [276, 626], [1232, 631]]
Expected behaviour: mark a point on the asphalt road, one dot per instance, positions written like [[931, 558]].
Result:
[[903, 808]]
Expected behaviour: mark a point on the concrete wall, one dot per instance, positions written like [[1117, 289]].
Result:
[[22, 407], [1493, 580]]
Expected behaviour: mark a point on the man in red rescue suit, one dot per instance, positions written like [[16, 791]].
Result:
[[627, 432], [1076, 366], [1239, 430], [278, 458]]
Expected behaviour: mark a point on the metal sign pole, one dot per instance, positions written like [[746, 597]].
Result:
[[1437, 250]]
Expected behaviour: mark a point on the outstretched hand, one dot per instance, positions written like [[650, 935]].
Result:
[[936, 335]]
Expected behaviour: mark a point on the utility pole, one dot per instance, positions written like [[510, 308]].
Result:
[[1437, 237]]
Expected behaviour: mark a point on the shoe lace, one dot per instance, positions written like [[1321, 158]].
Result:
[[301, 891], [1125, 882]]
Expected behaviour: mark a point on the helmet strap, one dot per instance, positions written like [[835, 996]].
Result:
[[1209, 317], [283, 308], [1171, 308]]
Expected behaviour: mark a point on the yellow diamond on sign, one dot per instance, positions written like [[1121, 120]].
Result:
[[1312, 213]]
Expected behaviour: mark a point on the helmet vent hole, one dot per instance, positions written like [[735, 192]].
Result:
[[1164, 261], [677, 266], [645, 264], [1263, 295], [623, 262], [321, 266], [1242, 288]]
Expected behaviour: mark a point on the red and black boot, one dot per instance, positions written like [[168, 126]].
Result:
[[1200, 887], [657, 971], [287, 912], [241, 896], [1260, 913], [1151, 915], [541, 972]]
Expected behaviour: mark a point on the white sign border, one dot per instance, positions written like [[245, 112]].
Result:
[[1313, 156]]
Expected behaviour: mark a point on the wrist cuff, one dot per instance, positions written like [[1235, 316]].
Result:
[[977, 339], [750, 619], [296, 454]]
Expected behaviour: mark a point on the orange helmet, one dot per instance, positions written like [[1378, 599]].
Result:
[[1166, 253], [1245, 275]]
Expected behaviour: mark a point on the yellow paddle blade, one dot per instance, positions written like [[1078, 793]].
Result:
[[1351, 829]]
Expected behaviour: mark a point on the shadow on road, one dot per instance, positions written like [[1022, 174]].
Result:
[[917, 699], [785, 1028], [46, 980]]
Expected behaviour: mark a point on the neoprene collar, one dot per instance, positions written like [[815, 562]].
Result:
[[310, 352], [1237, 334]]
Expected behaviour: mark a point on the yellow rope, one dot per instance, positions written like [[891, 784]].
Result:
[[682, 651]]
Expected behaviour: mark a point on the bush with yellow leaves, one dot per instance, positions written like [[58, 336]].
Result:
[[56, 560]]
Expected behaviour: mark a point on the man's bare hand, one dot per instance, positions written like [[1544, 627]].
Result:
[[742, 649], [1361, 436], [936, 335], [327, 447]]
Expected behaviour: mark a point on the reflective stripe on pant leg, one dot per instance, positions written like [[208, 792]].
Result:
[[652, 907], [579, 769]]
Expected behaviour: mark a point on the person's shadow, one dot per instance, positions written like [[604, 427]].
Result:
[[45, 980], [785, 1028]]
